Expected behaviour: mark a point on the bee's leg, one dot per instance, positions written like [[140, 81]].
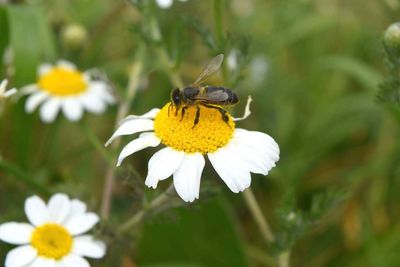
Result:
[[224, 116], [169, 108], [183, 112], [197, 118]]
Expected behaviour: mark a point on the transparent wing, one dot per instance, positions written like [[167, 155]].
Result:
[[210, 69], [215, 96]]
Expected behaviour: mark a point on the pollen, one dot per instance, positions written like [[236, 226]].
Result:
[[52, 241], [63, 82], [208, 135]]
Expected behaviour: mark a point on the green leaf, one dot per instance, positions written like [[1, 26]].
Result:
[[30, 40], [4, 33], [367, 76], [205, 236]]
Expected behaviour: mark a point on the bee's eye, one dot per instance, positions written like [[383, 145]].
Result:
[[176, 97]]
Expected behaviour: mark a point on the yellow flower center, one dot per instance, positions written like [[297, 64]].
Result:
[[210, 133], [63, 82], [52, 241]]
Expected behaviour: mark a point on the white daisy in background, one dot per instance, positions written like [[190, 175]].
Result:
[[167, 3], [6, 93], [234, 153], [64, 87], [53, 238]]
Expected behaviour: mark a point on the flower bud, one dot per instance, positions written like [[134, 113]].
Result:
[[392, 35], [74, 36]]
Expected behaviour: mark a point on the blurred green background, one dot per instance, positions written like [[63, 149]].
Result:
[[313, 68]]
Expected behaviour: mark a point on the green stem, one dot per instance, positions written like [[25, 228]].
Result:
[[218, 22], [263, 225], [91, 136], [173, 75], [123, 109], [258, 216], [219, 32], [284, 259], [139, 216], [23, 177]]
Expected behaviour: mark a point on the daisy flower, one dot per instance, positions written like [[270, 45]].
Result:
[[233, 152], [53, 238], [3, 92], [167, 3], [64, 87]]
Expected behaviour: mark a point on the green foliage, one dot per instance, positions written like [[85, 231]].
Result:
[[294, 223], [333, 198]]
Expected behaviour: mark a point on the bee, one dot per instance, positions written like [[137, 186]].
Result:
[[207, 96]]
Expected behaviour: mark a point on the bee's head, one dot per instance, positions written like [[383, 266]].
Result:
[[176, 97]]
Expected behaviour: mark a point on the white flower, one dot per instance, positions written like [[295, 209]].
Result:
[[166, 3], [3, 92], [64, 87], [234, 153], [259, 67], [54, 237], [232, 59]]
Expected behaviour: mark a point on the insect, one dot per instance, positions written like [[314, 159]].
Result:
[[207, 96]]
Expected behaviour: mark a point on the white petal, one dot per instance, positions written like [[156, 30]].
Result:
[[43, 262], [36, 210], [72, 109], [131, 127], [44, 68], [247, 110], [59, 208], [16, 233], [20, 256], [259, 141], [74, 261], [187, 177], [49, 110], [81, 224], [162, 165], [34, 100], [65, 64], [93, 103], [256, 156], [164, 3], [77, 207], [230, 169], [102, 91], [10, 92], [138, 144], [149, 115], [3, 86], [89, 247], [28, 89]]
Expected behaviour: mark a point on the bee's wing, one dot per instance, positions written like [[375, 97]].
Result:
[[210, 69], [215, 96]]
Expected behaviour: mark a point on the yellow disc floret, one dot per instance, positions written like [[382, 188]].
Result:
[[210, 134], [52, 241], [63, 82]]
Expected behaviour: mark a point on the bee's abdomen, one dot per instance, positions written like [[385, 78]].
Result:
[[230, 96]]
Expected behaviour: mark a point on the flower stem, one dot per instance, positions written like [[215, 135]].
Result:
[[23, 176], [173, 75], [123, 110], [94, 140], [218, 22], [284, 258], [138, 217], [258, 216]]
